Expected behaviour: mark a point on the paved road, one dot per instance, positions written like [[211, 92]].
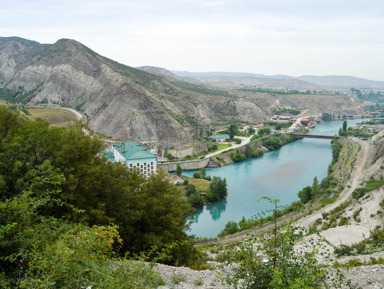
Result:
[[244, 141]]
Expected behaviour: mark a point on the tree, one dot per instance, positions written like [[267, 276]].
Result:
[[232, 130], [237, 156], [251, 130], [248, 151], [203, 172], [190, 189], [263, 130], [326, 116], [196, 200], [197, 175], [179, 170], [272, 142], [218, 187], [149, 212], [38, 251], [230, 228], [305, 194], [315, 186], [345, 125]]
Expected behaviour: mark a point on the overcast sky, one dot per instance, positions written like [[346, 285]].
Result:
[[294, 37]]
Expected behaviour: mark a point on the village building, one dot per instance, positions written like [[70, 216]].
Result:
[[135, 157], [219, 138], [304, 121]]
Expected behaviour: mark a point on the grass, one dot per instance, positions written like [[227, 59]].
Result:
[[201, 185], [58, 117], [223, 146]]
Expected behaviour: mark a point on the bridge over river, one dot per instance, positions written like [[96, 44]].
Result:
[[315, 136]]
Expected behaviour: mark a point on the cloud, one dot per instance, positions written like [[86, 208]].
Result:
[[276, 36]]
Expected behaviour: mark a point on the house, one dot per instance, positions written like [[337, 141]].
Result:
[[135, 156], [220, 138], [275, 117], [304, 121]]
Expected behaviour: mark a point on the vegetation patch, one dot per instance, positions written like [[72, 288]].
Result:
[[58, 117]]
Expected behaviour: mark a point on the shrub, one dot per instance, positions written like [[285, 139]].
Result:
[[197, 175]]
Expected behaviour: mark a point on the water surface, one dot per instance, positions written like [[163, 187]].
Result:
[[279, 174]]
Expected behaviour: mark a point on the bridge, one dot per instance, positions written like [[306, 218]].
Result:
[[315, 136]]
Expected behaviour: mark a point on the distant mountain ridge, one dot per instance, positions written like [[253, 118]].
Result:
[[297, 82], [126, 103]]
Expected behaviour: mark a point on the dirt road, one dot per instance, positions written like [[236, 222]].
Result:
[[356, 178]]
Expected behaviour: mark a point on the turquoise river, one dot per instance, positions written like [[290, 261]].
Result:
[[279, 174]]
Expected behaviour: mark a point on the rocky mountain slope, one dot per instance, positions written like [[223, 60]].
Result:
[[126, 103]]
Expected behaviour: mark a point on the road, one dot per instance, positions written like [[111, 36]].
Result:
[[356, 178], [78, 115], [244, 141]]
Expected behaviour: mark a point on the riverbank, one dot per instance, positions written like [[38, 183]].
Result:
[[252, 147], [365, 267]]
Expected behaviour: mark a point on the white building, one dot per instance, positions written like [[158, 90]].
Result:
[[135, 156]]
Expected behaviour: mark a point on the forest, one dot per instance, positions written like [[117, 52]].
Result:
[[67, 214]]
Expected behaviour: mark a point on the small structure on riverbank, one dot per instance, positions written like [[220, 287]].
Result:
[[219, 138], [135, 157]]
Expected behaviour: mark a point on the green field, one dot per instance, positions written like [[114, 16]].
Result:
[[57, 117]]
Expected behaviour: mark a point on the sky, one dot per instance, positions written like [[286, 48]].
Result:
[[292, 37]]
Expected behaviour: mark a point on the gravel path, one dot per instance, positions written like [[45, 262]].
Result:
[[356, 178]]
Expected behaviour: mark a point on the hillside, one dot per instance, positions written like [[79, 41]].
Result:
[[126, 103], [236, 79]]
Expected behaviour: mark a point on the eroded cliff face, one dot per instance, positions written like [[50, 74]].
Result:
[[129, 104]]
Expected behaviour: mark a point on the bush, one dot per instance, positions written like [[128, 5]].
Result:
[[169, 156], [197, 175], [230, 228], [237, 156], [272, 262], [237, 141]]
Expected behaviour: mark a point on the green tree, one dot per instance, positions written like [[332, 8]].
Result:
[[196, 200], [190, 189], [197, 175], [263, 130], [149, 212], [326, 116], [38, 251], [248, 151], [272, 142], [232, 130], [315, 186], [237, 156], [218, 187], [203, 172], [179, 170], [305, 194], [345, 125], [230, 228]]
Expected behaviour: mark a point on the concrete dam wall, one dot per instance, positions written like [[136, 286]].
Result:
[[185, 165]]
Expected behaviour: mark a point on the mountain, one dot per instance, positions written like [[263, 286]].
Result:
[[282, 81], [126, 103], [342, 81]]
